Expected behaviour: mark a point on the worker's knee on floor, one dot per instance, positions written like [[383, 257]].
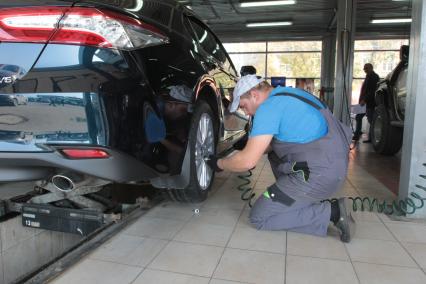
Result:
[[256, 221]]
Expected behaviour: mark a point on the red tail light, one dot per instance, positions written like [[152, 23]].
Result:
[[29, 24], [77, 25], [85, 153]]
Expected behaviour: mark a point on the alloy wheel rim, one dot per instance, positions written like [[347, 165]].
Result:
[[204, 147]]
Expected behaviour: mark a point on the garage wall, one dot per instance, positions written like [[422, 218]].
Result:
[[25, 249]]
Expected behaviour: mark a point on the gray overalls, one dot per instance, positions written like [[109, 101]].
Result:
[[293, 202]]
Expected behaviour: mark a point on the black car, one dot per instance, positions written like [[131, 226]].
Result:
[[388, 120], [123, 91]]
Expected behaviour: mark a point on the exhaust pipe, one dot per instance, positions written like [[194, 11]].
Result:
[[66, 182]]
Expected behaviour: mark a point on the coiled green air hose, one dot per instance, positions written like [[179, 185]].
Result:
[[401, 207], [405, 206], [246, 190]]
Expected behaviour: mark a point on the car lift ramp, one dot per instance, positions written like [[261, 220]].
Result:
[[97, 219]]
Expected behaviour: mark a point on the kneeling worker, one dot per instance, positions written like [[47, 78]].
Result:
[[308, 152]]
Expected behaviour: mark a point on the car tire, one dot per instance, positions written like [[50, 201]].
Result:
[[15, 102], [202, 143], [386, 139]]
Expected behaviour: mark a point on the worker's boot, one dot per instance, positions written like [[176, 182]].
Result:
[[345, 222]]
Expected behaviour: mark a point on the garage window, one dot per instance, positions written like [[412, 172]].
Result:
[[295, 59], [383, 54]]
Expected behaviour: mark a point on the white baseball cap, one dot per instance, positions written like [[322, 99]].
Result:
[[181, 93], [245, 84]]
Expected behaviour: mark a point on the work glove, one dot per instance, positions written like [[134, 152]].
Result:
[[303, 168], [212, 163]]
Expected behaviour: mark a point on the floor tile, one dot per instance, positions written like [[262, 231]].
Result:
[[231, 184], [385, 218], [366, 181], [217, 184], [150, 276], [216, 216], [224, 203], [243, 221], [269, 177], [129, 250], [418, 252], [218, 281], [345, 192], [173, 211], [155, 228], [223, 174], [383, 274], [306, 270], [408, 232], [306, 245], [380, 195], [373, 231], [91, 271], [251, 267], [379, 252], [369, 183], [187, 258], [262, 185], [208, 234], [365, 216], [252, 239]]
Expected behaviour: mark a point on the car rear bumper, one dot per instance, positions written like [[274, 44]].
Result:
[[119, 167]]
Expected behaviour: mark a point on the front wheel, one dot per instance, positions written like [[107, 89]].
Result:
[[386, 138]]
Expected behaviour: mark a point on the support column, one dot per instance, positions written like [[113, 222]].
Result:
[[328, 66], [345, 35], [413, 159]]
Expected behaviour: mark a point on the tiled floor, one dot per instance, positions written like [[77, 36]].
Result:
[[171, 244]]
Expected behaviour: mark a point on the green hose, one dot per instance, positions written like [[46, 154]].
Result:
[[406, 206], [246, 190]]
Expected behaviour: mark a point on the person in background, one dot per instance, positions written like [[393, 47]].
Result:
[[247, 70], [366, 98]]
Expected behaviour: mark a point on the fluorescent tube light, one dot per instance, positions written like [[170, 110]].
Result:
[[266, 3], [390, 21], [268, 24]]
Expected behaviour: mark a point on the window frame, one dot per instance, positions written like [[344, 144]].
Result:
[[267, 52]]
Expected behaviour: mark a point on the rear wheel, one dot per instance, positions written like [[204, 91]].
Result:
[[202, 144], [386, 139]]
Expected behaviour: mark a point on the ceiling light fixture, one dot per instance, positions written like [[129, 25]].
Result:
[[266, 3], [390, 21], [268, 24]]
